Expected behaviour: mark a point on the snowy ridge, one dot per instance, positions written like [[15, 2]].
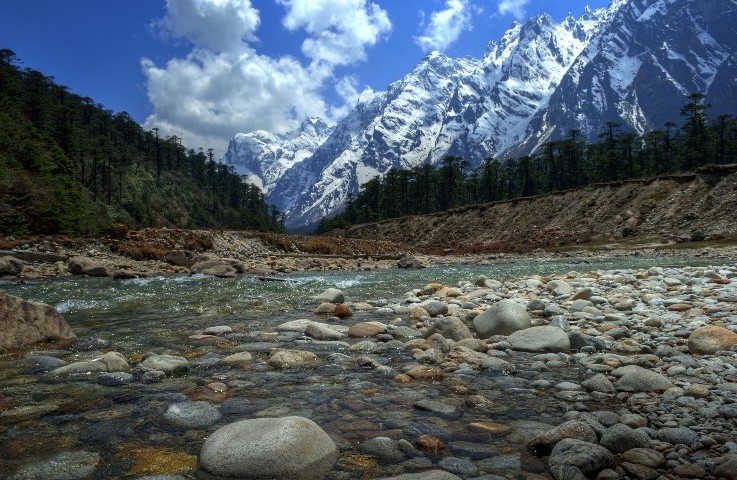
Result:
[[625, 63]]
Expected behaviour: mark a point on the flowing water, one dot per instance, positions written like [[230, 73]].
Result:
[[124, 424]]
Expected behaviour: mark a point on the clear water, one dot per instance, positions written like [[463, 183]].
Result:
[[350, 402]]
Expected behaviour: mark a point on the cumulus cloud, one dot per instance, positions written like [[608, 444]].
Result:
[[445, 26], [219, 25], [224, 86], [517, 8], [340, 30]]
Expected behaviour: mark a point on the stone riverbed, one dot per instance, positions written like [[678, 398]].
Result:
[[600, 374]]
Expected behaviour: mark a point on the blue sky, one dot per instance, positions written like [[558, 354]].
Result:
[[207, 69]]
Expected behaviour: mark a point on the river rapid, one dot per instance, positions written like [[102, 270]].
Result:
[[122, 428]]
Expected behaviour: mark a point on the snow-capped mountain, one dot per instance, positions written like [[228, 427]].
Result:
[[263, 157], [631, 63]]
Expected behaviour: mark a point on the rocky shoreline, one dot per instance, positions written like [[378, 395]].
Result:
[[633, 374], [167, 252]]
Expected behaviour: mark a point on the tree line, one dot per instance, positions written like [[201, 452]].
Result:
[[558, 165], [70, 166]]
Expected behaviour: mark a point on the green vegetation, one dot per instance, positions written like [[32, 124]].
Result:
[[558, 165], [69, 166]]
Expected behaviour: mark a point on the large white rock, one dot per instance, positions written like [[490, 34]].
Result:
[[503, 318], [264, 448], [540, 339]]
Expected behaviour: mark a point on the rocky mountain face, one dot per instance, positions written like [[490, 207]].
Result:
[[631, 63]]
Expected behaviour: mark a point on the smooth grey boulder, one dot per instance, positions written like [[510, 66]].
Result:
[[263, 448], [282, 358], [110, 362], [322, 331], [599, 383], [589, 458], [677, 435], [634, 378], [434, 307], [540, 339], [384, 448], [450, 327], [168, 364], [331, 295], [503, 318], [88, 266], [192, 414], [619, 438], [24, 323], [543, 443], [217, 267]]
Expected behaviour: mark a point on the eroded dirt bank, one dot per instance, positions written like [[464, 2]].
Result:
[[685, 207]]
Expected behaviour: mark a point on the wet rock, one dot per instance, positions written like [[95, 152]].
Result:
[[410, 262], [503, 318], [634, 378], [644, 456], [115, 379], [88, 266], [543, 444], [383, 448], [434, 307], [331, 295], [460, 466], [217, 267], [110, 362], [436, 407], [169, 364], [192, 414], [282, 358], [62, 466], [726, 467], [599, 383], [343, 310], [540, 339], [559, 287], [325, 308], [43, 363], [322, 331], [710, 339], [366, 329], [287, 447], [25, 323], [588, 457], [620, 438], [678, 435], [450, 327], [217, 330]]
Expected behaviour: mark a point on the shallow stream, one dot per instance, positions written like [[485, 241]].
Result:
[[124, 424]]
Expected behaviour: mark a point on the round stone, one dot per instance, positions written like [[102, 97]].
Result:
[[286, 447]]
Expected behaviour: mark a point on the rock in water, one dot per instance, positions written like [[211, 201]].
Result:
[[288, 447], [331, 295], [408, 261], [503, 318], [428, 475], [24, 323], [540, 339]]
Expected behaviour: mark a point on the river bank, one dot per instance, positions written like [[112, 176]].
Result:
[[409, 382], [168, 252]]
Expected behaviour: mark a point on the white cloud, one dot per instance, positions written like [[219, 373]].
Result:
[[515, 7], [224, 86], [445, 26], [340, 30], [219, 25]]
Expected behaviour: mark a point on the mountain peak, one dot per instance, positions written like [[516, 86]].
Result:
[[534, 84]]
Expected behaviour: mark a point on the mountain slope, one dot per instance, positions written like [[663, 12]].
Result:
[[631, 63]]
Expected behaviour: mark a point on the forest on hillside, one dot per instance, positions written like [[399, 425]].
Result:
[[558, 165], [70, 166]]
